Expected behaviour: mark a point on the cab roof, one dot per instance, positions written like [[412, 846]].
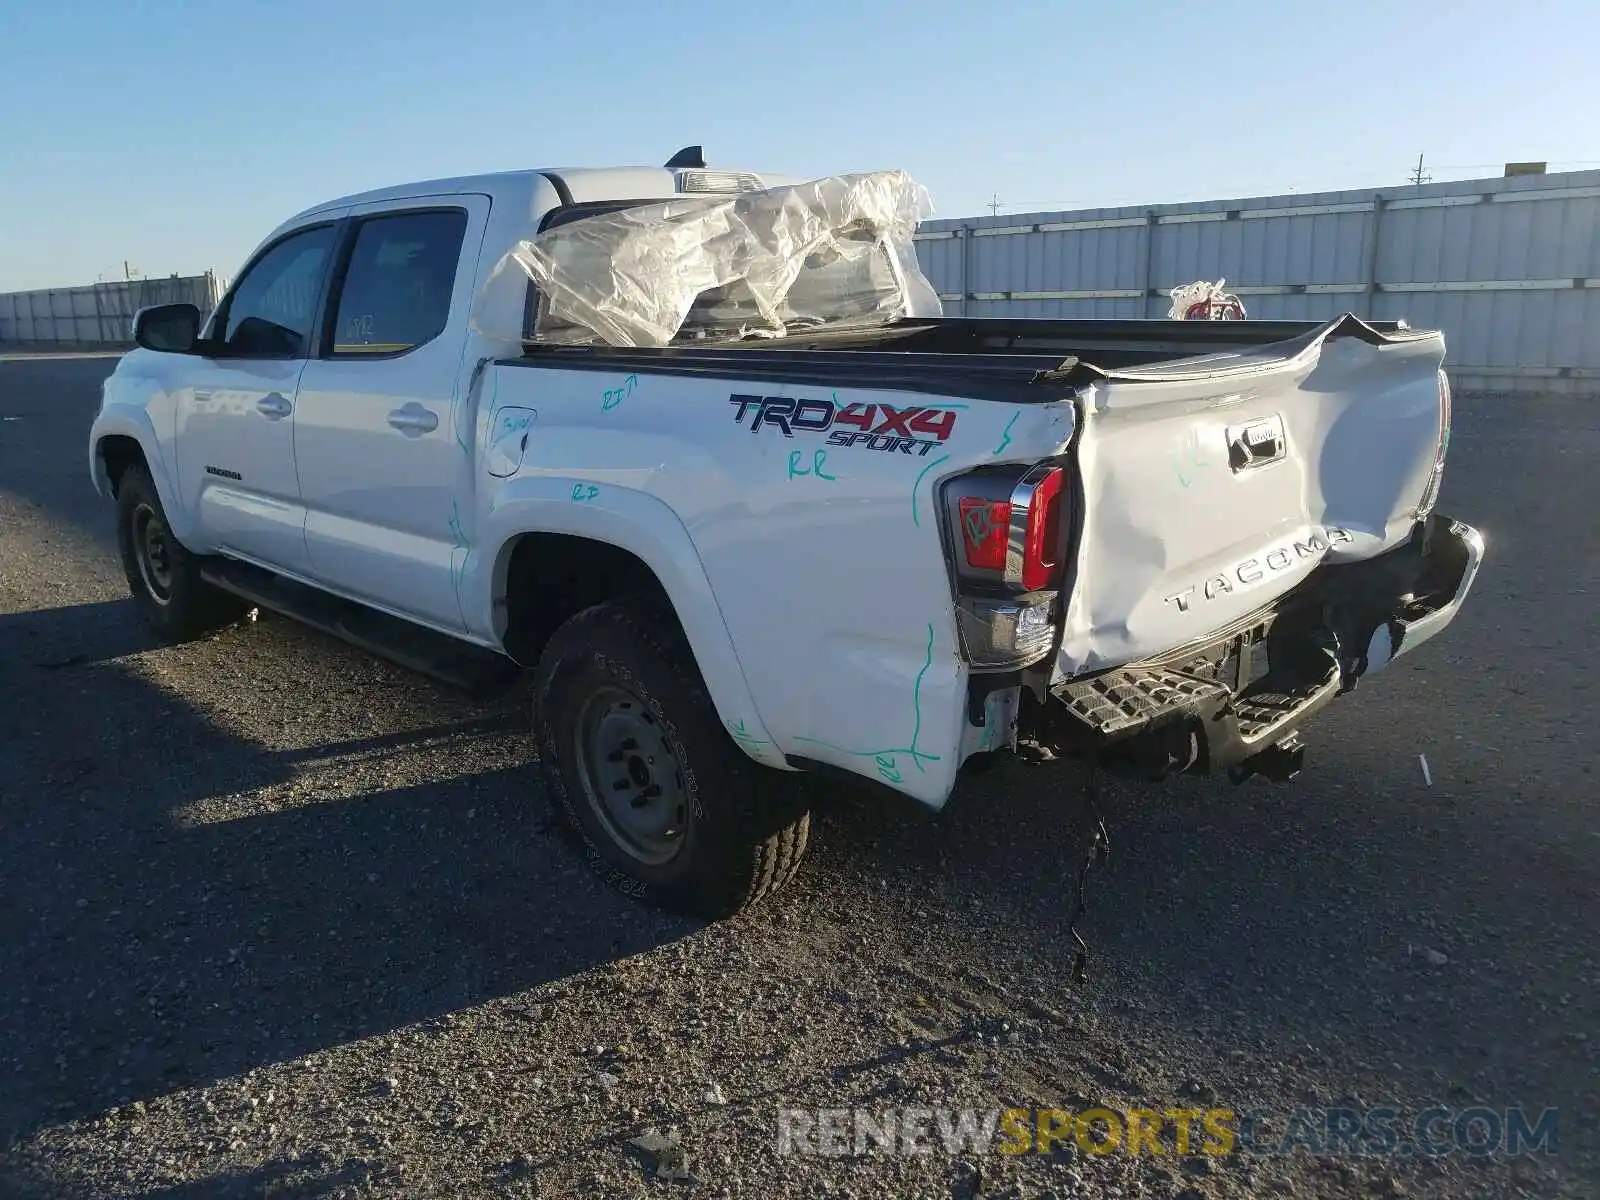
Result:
[[581, 185]]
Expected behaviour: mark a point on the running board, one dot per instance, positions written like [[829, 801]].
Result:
[[481, 672]]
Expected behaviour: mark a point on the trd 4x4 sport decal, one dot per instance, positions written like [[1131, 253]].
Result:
[[911, 430]]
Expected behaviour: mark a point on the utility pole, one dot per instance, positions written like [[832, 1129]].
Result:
[[994, 205], [1417, 177]]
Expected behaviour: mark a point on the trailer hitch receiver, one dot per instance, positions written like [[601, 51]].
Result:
[[1279, 762]]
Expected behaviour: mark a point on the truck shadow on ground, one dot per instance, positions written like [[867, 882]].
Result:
[[164, 925], [307, 1177], [151, 939]]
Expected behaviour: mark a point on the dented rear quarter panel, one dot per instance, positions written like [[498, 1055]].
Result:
[[824, 562]]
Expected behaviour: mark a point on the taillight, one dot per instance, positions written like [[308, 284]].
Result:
[[1430, 493], [1040, 547], [1007, 538], [1020, 536], [984, 526]]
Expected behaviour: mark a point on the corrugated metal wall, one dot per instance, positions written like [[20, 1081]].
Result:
[[1508, 268], [100, 314]]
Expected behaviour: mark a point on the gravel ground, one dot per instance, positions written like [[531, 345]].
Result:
[[278, 919]]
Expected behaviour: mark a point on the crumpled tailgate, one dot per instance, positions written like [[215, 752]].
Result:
[[1213, 485]]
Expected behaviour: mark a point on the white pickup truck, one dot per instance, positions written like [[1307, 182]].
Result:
[[525, 421]]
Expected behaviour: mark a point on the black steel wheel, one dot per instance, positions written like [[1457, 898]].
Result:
[[152, 548], [630, 775], [666, 805], [163, 576]]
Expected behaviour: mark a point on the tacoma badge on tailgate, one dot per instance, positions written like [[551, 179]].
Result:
[[1253, 570]]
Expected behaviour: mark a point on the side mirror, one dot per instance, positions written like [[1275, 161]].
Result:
[[173, 328]]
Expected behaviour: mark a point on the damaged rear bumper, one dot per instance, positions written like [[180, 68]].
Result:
[[1458, 550], [1238, 701]]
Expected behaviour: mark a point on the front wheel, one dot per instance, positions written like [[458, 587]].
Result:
[[668, 808], [163, 576]]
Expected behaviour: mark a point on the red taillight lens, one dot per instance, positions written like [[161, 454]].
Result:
[[985, 525], [986, 531], [1004, 529], [1039, 561]]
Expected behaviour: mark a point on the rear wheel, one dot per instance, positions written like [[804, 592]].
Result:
[[667, 806], [162, 575]]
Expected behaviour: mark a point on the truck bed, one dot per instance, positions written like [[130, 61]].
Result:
[[1013, 360]]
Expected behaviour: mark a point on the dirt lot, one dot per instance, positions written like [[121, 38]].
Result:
[[279, 919]]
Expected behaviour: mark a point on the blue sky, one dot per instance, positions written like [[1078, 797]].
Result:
[[176, 135]]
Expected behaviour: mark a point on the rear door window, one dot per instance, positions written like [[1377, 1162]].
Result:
[[397, 288]]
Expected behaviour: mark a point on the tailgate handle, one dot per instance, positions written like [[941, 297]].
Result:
[[1256, 444]]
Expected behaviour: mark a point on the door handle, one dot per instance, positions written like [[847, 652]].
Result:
[[274, 406], [413, 420]]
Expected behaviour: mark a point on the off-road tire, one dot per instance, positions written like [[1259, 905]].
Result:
[[173, 599], [746, 826]]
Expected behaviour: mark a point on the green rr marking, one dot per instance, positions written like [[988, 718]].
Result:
[[818, 458]]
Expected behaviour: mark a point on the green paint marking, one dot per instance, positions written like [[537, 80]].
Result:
[[1005, 433], [455, 416], [615, 396], [1188, 459], [743, 736], [916, 517], [980, 523], [455, 419], [738, 730], [749, 743], [818, 458], [458, 573], [887, 765], [916, 693], [494, 396]]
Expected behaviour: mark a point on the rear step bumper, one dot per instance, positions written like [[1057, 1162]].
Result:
[[1414, 624], [1238, 702]]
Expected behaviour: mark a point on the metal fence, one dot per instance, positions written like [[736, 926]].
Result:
[[99, 314], [1508, 268]]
